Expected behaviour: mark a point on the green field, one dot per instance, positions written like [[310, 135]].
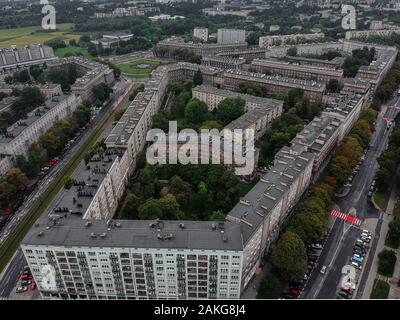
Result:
[[60, 52], [34, 35], [380, 290], [132, 68]]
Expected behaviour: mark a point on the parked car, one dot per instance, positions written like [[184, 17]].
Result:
[[316, 246], [21, 289], [33, 286], [323, 269], [26, 277], [26, 283], [344, 294], [356, 265]]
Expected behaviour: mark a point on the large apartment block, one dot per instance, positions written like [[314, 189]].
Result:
[[313, 90], [90, 74], [17, 139], [268, 41], [168, 46], [131, 259], [231, 36], [294, 70], [93, 256]]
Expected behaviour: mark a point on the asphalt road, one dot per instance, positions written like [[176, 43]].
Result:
[[339, 245], [13, 271]]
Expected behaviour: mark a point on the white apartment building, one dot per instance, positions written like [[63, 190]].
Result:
[[268, 41], [231, 36], [18, 137], [370, 33], [137, 259], [213, 96], [201, 33]]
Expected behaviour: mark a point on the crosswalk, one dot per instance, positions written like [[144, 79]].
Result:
[[346, 217]]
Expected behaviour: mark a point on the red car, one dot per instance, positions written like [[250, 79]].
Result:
[[294, 292], [33, 286], [347, 290], [26, 277]]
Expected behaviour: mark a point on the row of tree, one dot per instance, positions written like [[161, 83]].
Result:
[[309, 222], [52, 143], [297, 111]]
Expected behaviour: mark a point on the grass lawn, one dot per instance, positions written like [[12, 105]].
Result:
[[28, 35], [380, 290], [379, 199], [134, 69], [60, 52]]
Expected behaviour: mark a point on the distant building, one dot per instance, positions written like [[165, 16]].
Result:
[[267, 41], [201, 33], [90, 74], [16, 139], [376, 25], [231, 36], [274, 27], [165, 17], [109, 39], [30, 55]]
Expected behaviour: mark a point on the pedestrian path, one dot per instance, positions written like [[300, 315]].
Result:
[[386, 219]]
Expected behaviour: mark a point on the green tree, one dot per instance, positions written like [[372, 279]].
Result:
[[150, 210], [217, 216], [270, 288], [130, 206], [196, 111], [229, 109], [181, 190], [292, 51], [289, 256], [170, 208], [198, 78], [68, 182], [386, 262]]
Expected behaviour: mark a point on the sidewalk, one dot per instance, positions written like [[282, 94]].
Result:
[[251, 290], [386, 219], [394, 292]]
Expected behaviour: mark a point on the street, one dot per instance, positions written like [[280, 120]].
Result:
[[10, 275], [339, 246]]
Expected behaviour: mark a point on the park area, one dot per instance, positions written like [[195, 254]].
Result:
[[140, 68], [35, 35]]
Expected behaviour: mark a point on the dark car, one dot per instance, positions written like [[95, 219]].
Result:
[[287, 296], [344, 295], [293, 292]]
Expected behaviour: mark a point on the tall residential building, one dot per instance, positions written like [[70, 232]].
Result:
[[231, 36], [201, 33], [17, 139]]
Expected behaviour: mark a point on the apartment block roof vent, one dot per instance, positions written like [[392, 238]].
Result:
[[88, 224], [213, 226], [182, 225], [103, 235], [93, 235], [41, 233]]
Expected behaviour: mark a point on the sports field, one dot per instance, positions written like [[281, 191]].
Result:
[[140, 67], [34, 35]]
